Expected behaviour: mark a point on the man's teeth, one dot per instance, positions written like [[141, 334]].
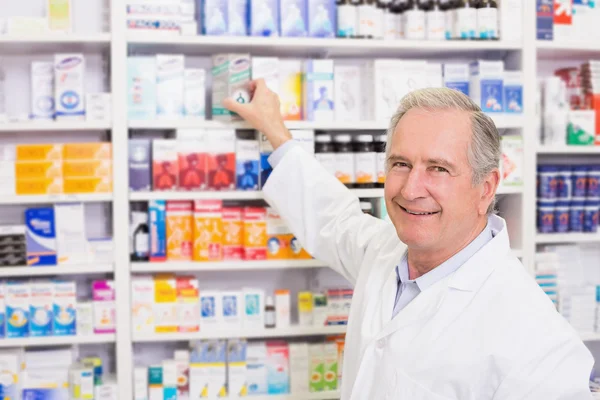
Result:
[[416, 213]]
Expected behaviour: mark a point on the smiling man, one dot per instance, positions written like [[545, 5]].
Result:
[[442, 309]]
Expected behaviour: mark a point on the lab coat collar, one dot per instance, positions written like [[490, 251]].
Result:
[[476, 270]]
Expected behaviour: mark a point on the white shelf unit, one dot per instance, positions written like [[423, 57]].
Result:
[[569, 150], [57, 198], [292, 331], [83, 269], [307, 396], [571, 237], [189, 266], [228, 195], [42, 42], [57, 340], [54, 126]]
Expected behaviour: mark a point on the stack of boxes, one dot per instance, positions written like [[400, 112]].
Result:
[[567, 21]]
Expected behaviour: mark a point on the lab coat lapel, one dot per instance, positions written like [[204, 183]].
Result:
[[388, 296]]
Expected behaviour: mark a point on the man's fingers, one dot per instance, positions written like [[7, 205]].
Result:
[[232, 105]]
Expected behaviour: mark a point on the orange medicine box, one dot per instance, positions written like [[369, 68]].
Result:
[[208, 230], [188, 306], [87, 185], [39, 186], [179, 230], [255, 233], [278, 237], [233, 239], [297, 251], [87, 168], [165, 303], [38, 169], [87, 151], [39, 152]]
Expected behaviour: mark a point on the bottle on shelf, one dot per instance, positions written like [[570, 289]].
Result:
[[379, 145], [347, 18], [414, 21], [325, 152], [466, 19], [390, 22], [381, 9], [344, 159], [140, 235], [450, 7], [366, 18], [269, 313], [397, 8], [487, 20], [365, 162], [435, 21]]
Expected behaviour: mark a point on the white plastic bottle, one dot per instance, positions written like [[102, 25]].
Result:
[[366, 16], [381, 7], [347, 19], [466, 19], [435, 21], [414, 18], [390, 23], [487, 20]]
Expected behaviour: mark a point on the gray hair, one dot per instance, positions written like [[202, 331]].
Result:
[[484, 150]]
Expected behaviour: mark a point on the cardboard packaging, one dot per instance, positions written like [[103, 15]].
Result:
[[38, 170], [283, 308], [278, 237], [290, 89], [321, 18], [40, 236], [194, 92], [319, 90], [232, 306], [231, 74], [64, 308], [512, 160], [278, 367], [544, 19], [158, 239], [221, 159], [169, 85], [71, 242], [166, 318], [87, 151], [264, 18], [266, 149], [69, 96], [256, 368], [165, 165], [208, 230], [140, 165], [59, 14], [141, 88], [85, 318], [13, 252], [299, 365], [98, 107], [188, 304], [87, 185], [210, 310], [233, 233], [39, 152], [214, 17], [317, 367], [267, 68], [347, 92], [18, 297], [42, 90], [87, 169], [486, 84], [105, 313], [254, 309], [247, 159], [305, 308], [155, 382], [293, 18], [236, 368], [513, 92], [581, 127], [179, 230], [255, 233], [142, 304], [193, 159]]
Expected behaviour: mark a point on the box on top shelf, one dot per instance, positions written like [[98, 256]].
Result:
[[545, 19], [231, 74], [321, 18], [487, 84], [264, 18]]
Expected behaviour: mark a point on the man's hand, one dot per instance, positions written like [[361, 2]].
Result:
[[262, 113]]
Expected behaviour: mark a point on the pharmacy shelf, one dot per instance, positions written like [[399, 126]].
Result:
[[293, 331], [332, 395], [231, 195], [281, 46], [57, 198], [551, 238], [510, 190], [189, 266], [57, 340], [551, 50], [14, 272], [54, 126], [568, 150], [53, 43], [502, 121]]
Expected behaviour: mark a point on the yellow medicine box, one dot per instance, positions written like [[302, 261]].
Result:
[[38, 169], [87, 168], [39, 152], [39, 186], [87, 151], [87, 185]]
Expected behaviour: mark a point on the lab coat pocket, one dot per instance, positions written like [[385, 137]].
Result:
[[408, 389]]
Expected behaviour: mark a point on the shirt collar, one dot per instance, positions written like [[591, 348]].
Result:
[[447, 267]]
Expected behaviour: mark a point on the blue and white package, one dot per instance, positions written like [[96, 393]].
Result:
[[547, 181], [292, 18], [237, 15], [169, 85], [264, 18], [266, 149], [141, 88], [318, 90], [157, 210], [2, 310], [64, 308], [456, 76], [579, 179], [321, 18], [214, 18], [564, 182], [590, 216], [40, 308], [40, 236], [561, 217], [42, 90], [487, 84], [513, 92], [69, 70], [576, 216], [246, 159], [17, 309], [545, 216]]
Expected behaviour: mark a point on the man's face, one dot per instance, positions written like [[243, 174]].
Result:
[[428, 190]]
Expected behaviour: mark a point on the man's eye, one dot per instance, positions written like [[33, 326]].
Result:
[[400, 165], [440, 169]]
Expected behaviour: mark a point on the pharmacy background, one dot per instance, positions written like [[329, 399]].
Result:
[[138, 256]]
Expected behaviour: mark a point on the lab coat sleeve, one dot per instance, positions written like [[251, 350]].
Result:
[[560, 371], [321, 212]]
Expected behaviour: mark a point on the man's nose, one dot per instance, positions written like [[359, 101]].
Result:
[[414, 186]]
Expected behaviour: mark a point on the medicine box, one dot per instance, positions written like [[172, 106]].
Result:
[[166, 318], [98, 107], [486, 84], [254, 305], [283, 308], [290, 89], [255, 233], [435, 75], [297, 251], [188, 304], [232, 306], [13, 247], [208, 371], [85, 318], [264, 18], [155, 382], [208, 230], [456, 76], [221, 159], [40, 236], [581, 127], [39, 152], [64, 308], [293, 19], [316, 367], [103, 293], [142, 304], [236, 368], [256, 368], [278, 237], [231, 74], [338, 306], [71, 242], [214, 17], [278, 370], [305, 308], [87, 169], [38, 170], [347, 92], [321, 18], [267, 68], [42, 90], [87, 151], [39, 186], [210, 310], [40, 308], [233, 233], [69, 75], [237, 11], [169, 85], [158, 239], [179, 230], [545, 19], [320, 309], [11, 366], [265, 149], [2, 311], [513, 92], [7, 178], [299, 366], [192, 154], [87, 185], [318, 90], [18, 297], [140, 383], [512, 160], [330, 366], [246, 156], [194, 92], [140, 161], [59, 14], [141, 88], [169, 368], [165, 165]]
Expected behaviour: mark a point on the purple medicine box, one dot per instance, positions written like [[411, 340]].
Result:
[[103, 295], [140, 165]]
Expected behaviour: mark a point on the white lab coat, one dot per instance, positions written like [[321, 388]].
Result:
[[486, 331]]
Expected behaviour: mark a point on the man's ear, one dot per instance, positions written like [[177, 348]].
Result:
[[489, 188]]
